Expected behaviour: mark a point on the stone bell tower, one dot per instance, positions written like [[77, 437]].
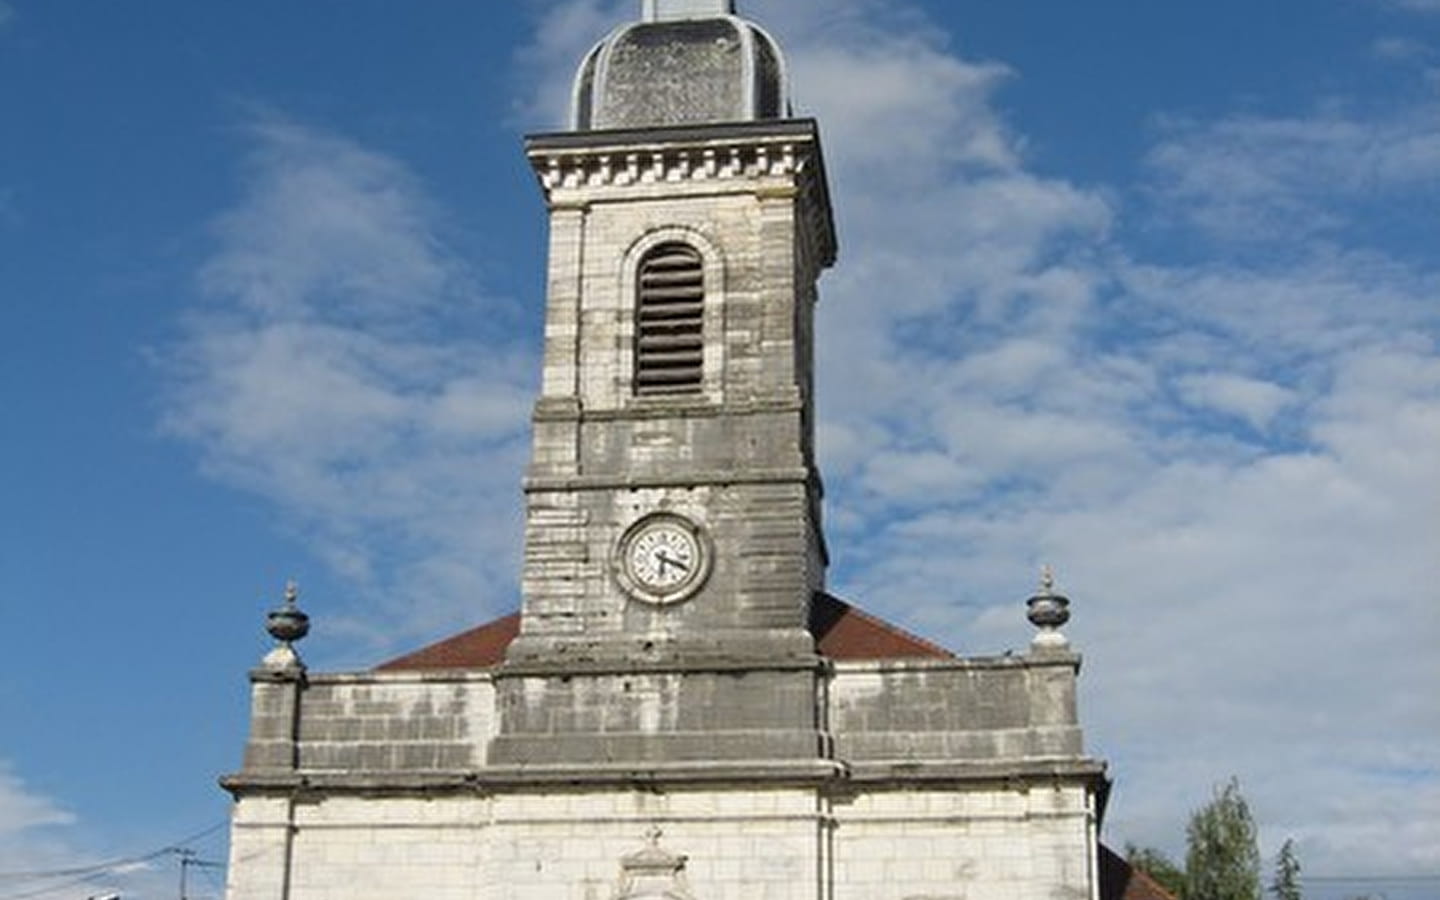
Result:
[[673, 503]]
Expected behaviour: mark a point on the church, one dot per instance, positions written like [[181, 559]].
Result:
[[679, 709]]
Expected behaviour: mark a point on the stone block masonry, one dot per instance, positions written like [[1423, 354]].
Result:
[[925, 779], [569, 844]]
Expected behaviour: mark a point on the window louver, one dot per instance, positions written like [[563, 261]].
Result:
[[669, 313]]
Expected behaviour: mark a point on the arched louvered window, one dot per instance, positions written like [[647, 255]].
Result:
[[669, 319]]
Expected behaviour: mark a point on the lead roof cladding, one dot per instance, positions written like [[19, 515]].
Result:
[[686, 63]]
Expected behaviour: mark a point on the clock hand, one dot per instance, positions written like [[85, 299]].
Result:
[[666, 559]]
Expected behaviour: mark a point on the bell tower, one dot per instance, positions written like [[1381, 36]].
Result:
[[673, 534]]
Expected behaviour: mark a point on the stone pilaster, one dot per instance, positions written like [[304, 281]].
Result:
[[276, 689]]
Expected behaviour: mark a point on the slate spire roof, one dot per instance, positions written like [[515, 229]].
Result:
[[685, 62]]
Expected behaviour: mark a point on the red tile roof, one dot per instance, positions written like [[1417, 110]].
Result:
[[845, 632], [842, 632], [1121, 881], [478, 648]]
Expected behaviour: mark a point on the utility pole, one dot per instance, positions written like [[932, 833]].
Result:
[[190, 858]]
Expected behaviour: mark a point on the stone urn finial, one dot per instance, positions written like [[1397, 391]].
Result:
[[1047, 611], [286, 624]]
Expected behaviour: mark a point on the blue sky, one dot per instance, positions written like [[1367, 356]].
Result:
[[1146, 291]]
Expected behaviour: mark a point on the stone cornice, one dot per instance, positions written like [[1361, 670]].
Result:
[[567, 409], [542, 667], [741, 154], [416, 676], [1018, 771], [963, 663], [833, 774], [498, 779], [630, 481]]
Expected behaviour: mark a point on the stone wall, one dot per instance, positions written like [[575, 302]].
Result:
[[998, 709], [659, 717], [987, 843], [1012, 710], [369, 725], [984, 843]]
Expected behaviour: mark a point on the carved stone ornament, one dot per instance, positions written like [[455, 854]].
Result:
[[1048, 611], [287, 624], [653, 873]]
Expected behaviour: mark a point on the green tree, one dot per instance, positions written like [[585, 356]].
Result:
[[1286, 885], [1158, 866], [1222, 861]]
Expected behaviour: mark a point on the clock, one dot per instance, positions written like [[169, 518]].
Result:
[[663, 558]]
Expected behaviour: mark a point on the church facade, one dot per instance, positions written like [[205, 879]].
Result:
[[679, 709]]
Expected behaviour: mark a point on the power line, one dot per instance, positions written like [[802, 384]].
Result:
[[83, 873], [35, 892], [1388, 879]]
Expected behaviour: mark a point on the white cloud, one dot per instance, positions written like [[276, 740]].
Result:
[[21, 809], [888, 83], [344, 365], [33, 828], [1269, 180], [1399, 49], [1254, 400], [41, 856], [7, 14], [1423, 6], [562, 35]]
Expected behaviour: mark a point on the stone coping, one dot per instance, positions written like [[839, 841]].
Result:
[[959, 663], [596, 667], [811, 773], [626, 138]]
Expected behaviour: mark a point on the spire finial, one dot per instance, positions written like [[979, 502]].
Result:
[[1047, 612]]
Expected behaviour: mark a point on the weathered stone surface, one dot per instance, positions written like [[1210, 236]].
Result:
[[1008, 708], [371, 723], [736, 457], [686, 702], [569, 843]]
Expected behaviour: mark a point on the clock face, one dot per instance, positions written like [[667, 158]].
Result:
[[663, 559]]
